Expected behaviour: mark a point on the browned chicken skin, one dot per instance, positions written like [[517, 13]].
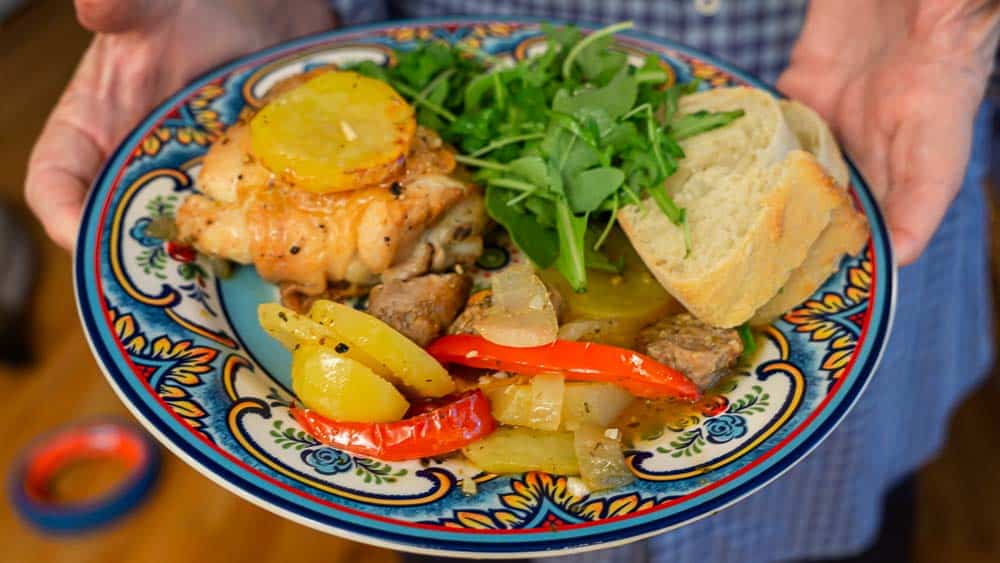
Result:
[[422, 307], [424, 220]]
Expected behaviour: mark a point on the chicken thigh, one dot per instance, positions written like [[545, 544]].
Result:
[[423, 219]]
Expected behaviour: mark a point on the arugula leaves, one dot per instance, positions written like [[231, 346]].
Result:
[[588, 189], [537, 241], [562, 140], [749, 343]]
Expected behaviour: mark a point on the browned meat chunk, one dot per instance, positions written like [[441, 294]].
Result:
[[478, 304], [700, 351], [422, 307]]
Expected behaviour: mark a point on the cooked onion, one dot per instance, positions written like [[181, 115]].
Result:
[[602, 463], [521, 314], [538, 404], [586, 403]]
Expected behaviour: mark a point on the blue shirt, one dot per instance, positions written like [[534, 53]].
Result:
[[940, 348]]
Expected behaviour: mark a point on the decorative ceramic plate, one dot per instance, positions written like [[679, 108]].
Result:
[[184, 351]]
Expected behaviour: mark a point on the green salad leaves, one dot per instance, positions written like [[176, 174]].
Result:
[[561, 141]]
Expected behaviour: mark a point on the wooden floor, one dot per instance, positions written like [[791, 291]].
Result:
[[190, 518]]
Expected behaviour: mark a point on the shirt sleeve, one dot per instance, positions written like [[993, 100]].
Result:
[[355, 12]]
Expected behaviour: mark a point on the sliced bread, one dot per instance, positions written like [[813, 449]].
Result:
[[760, 138], [751, 226], [846, 234], [847, 231], [814, 136]]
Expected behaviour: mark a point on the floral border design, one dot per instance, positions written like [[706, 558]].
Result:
[[195, 122], [330, 461], [724, 421], [837, 317], [172, 368], [543, 500]]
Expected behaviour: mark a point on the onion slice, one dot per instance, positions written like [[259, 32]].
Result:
[[521, 314], [599, 453]]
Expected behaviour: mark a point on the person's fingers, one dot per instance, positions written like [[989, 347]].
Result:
[[927, 161], [847, 111], [811, 85], [116, 16], [63, 163]]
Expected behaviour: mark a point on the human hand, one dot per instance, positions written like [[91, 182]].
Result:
[[142, 52], [900, 83]]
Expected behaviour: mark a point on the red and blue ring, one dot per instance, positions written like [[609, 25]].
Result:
[[29, 483]]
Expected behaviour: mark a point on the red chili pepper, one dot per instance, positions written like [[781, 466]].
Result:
[[440, 431], [578, 361], [181, 252], [714, 405]]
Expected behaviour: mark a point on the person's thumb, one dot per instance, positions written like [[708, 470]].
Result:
[[116, 16]]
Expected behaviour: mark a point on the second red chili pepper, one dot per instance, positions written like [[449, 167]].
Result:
[[433, 433]]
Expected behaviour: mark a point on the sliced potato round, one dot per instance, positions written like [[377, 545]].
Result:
[[415, 368], [613, 332], [338, 131], [632, 298], [342, 389], [516, 450]]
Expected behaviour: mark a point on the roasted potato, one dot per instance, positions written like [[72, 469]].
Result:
[[337, 387], [338, 131], [598, 404], [515, 450], [415, 369], [293, 330], [538, 404]]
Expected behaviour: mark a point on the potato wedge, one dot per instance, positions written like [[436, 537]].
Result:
[[613, 332], [593, 403], [342, 389], [338, 131], [292, 330], [414, 367], [516, 450]]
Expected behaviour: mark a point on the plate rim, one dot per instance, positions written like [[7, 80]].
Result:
[[784, 457]]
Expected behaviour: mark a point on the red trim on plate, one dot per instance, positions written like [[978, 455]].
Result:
[[298, 492]]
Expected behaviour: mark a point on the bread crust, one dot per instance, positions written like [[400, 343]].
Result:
[[846, 233], [814, 136]]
